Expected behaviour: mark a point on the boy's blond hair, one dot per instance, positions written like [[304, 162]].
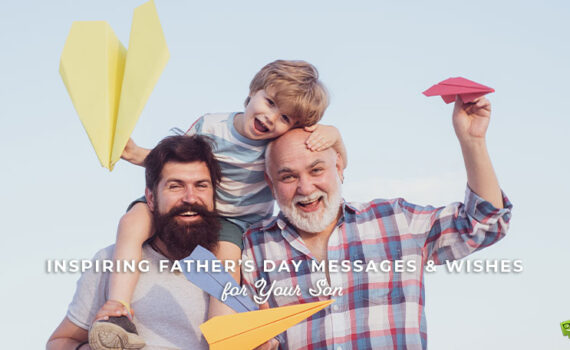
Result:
[[298, 91]]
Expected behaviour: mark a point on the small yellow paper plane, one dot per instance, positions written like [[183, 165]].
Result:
[[248, 330], [108, 85]]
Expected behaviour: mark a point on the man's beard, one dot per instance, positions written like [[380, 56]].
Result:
[[313, 222], [181, 238]]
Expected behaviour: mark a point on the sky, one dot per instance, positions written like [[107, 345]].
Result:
[[375, 57]]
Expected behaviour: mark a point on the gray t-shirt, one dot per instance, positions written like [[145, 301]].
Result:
[[168, 308]]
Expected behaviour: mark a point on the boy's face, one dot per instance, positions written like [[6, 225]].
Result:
[[262, 118]]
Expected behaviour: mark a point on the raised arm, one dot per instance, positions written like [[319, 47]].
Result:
[[470, 121], [134, 154]]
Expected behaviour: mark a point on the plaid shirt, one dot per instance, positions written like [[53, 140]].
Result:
[[377, 310]]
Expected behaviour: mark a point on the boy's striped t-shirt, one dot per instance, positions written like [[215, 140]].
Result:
[[243, 196]]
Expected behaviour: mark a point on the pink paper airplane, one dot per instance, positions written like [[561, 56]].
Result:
[[468, 90]]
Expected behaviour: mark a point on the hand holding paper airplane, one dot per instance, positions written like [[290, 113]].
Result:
[[468, 90], [108, 85], [250, 329]]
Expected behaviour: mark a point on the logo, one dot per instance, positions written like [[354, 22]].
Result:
[[565, 328]]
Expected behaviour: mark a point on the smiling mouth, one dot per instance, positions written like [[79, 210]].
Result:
[[310, 204], [188, 214], [259, 126]]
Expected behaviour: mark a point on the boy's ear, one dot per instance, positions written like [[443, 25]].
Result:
[[149, 198]]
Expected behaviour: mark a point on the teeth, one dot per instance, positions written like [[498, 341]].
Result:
[[189, 213], [308, 201]]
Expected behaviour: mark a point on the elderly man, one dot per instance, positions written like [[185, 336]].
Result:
[[339, 250], [181, 175]]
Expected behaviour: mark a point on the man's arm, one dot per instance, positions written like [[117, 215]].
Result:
[[470, 122], [67, 336]]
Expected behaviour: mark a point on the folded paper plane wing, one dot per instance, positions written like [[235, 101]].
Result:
[[250, 329], [109, 85], [450, 88], [214, 283]]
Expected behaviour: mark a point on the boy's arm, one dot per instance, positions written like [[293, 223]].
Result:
[[325, 136], [134, 154], [470, 122]]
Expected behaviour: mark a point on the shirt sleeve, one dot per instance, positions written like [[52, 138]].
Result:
[[196, 127], [459, 229], [90, 293], [230, 232]]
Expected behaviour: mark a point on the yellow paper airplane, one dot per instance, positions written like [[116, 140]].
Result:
[[248, 330], [108, 85]]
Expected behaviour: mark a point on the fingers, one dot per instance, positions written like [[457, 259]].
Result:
[[317, 142], [271, 344], [311, 128], [111, 308]]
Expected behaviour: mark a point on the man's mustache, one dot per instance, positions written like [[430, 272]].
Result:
[[185, 207]]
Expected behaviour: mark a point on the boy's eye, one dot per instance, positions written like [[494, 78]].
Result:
[[270, 101], [285, 118]]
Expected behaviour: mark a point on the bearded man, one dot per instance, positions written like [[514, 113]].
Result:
[[181, 175], [378, 305]]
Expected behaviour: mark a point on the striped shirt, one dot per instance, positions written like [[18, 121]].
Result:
[[242, 196], [377, 310]]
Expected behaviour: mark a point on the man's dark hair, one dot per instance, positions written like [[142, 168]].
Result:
[[181, 149]]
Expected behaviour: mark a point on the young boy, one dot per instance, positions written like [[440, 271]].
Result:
[[282, 95]]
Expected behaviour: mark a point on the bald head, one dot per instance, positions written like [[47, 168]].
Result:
[[290, 145]]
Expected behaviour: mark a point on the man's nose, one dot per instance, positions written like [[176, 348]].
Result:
[[305, 186], [189, 196]]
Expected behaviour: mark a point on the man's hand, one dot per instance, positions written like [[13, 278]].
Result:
[[470, 120], [271, 344], [112, 308]]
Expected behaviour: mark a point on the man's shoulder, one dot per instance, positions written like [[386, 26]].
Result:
[[104, 253], [377, 204], [266, 226]]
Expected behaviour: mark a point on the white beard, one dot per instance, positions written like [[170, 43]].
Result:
[[316, 221]]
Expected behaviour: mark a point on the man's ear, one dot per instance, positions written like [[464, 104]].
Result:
[[149, 198], [340, 167], [269, 183]]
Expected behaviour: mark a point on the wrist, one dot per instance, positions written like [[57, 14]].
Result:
[[472, 143]]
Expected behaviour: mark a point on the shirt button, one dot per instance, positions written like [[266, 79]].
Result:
[[339, 348], [335, 308]]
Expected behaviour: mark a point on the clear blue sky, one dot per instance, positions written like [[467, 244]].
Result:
[[375, 57]]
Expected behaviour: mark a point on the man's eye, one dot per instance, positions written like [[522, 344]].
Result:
[[174, 187], [287, 178], [202, 185], [317, 170]]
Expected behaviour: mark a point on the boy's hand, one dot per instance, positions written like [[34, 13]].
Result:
[[322, 137], [129, 151], [112, 308], [470, 120], [133, 153]]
